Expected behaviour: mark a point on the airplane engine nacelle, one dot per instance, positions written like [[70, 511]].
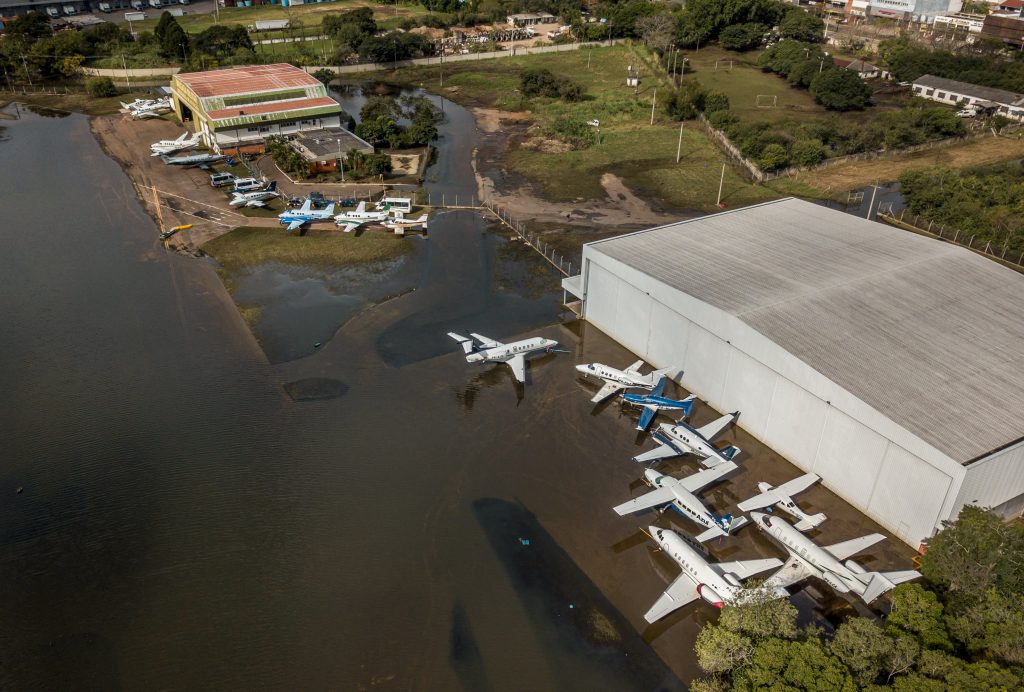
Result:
[[731, 578], [710, 595], [474, 358], [835, 582]]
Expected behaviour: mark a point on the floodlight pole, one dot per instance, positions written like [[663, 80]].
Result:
[[721, 182], [679, 147], [654, 100]]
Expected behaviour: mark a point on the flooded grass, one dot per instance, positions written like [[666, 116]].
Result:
[[249, 246]]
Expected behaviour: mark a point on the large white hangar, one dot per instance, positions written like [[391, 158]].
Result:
[[890, 364]]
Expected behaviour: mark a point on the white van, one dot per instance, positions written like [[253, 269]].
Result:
[[248, 184], [402, 204], [222, 179]]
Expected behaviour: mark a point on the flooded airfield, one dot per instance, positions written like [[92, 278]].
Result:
[[181, 514]]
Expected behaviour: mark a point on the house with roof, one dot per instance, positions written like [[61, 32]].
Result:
[[956, 93], [864, 70], [240, 106]]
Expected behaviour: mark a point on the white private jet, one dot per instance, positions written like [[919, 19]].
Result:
[[716, 583], [679, 492], [402, 225], [255, 199], [170, 146], [352, 220], [782, 497], [480, 349], [676, 440], [616, 380], [808, 559]]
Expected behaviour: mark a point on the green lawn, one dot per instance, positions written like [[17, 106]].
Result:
[[249, 246]]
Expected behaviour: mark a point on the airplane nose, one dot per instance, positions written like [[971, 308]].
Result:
[[581, 368]]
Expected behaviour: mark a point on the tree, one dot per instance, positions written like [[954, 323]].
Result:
[[742, 37], [324, 75], [919, 612], [174, 44], [794, 665], [993, 627], [715, 101], [101, 87], [862, 646], [380, 106], [840, 90], [976, 552], [657, 30], [686, 101], [221, 39], [808, 152], [802, 26], [720, 650], [773, 157]]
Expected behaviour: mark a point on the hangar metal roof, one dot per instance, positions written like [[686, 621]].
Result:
[[247, 79], [928, 333]]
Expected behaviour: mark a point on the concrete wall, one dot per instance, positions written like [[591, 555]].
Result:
[[861, 454]]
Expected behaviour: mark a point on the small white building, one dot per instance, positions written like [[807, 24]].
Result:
[[888, 363], [955, 93], [531, 18], [921, 11]]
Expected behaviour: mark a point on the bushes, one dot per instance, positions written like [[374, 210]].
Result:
[[541, 82], [686, 101], [101, 87], [840, 90], [573, 131]]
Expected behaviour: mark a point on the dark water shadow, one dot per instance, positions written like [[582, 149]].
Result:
[[464, 653], [575, 624], [315, 389]]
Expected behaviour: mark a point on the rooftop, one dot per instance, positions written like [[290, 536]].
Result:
[[928, 333], [246, 80], [327, 142], [274, 107], [981, 92]]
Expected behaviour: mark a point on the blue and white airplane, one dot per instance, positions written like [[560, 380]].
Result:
[[653, 402], [679, 493], [676, 440], [296, 218]]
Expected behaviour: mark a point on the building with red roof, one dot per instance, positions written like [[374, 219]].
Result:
[[244, 105]]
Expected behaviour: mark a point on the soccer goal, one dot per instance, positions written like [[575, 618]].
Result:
[[766, 101], [725, 64]]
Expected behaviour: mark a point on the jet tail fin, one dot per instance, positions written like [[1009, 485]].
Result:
[[878, 583], [810, 522], [466, 343]]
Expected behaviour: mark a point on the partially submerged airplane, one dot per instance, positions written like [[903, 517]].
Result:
[[782, 497], [296, 218], [255, 199], [401, 225], [716, 583], [653, 402], [352, 220], [480, 349], [616, 380], [170, 146], [676, 440], [193, 161], [679, 492], [828, 563]]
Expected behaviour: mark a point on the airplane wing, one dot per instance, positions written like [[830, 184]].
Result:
[[183, 137], [747, 568], [662, 451], [467, 344], [679, 593], [606, 391], [659, 388], [646, 416], [297, 223], [658, 496], [713, 428], [485, 342], [361, 207], [793, 571], [349, 227], [518, 365], [696, 481], [635, 367], [843, 550], [306, 207], [779, 494], [255, 203]]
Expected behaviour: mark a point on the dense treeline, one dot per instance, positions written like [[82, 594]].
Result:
[[379, 121], [807, 65], [984, 202], [908, 61], [961, 629]]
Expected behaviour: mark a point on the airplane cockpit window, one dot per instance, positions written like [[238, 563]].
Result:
[[767, 522]]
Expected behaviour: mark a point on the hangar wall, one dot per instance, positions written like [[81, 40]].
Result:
[[860, 454], [991, 480]]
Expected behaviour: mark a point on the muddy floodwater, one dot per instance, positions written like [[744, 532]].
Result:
[[178, 513]]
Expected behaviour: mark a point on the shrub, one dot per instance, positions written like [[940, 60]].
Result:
[[715, 101], [807, 152], [686, 101], [101, 87], [773, 157], [541, 82], [573, 131]]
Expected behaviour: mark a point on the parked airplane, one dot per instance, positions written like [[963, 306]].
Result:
[[407, 224], [807, 558], [679, 492], [714, 582], [296, 218], [679, 439], [654, 402], [782, 497], [169, 146], [480, 349], [193, 161], [616, 380], [255, 199], [352, 220], [148, 108]]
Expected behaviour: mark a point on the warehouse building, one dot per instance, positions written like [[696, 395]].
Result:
[[890, 364], [244, 105], [954, 93]]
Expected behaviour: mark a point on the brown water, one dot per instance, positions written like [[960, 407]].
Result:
[[171, 519]]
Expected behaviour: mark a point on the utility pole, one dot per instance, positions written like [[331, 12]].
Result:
[[874, 190], [721, 182], [126, 77], [679, 147], [654, 100]]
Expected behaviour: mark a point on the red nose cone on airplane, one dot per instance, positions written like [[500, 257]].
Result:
[[718, 604]]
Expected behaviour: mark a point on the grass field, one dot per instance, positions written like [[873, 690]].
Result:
[[249, 246], [643, 155]]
